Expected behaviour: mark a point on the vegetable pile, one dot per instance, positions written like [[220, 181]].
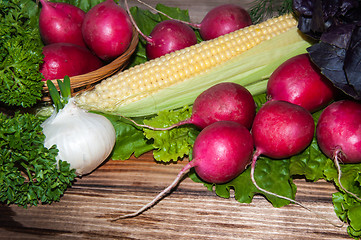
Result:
[[262, 142]]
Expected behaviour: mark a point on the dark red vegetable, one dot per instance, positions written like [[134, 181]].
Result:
[[61, 59], [223, 19], [169, 36], [280, 130], [300, 82], [61, 23], [338, 134], [107, 30]]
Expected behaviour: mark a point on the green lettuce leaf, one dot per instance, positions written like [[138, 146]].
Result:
[[311, 164], [173, 144], [129, 139], [350, 178], [349, 211], [272, 175]]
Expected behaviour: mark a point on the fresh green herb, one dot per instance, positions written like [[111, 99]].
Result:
[[264, 9], [20, 54], [29, 173]]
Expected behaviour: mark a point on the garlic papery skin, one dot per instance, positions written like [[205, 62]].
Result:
[[83, 139]]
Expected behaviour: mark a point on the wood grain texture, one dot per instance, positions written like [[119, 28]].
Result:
[[190, 212]]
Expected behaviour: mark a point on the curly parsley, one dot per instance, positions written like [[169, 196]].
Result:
[[29, 173], [20, 54]]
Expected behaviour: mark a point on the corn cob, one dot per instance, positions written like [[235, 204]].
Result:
[[246, 56]]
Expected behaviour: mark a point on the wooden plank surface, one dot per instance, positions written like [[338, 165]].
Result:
[[190, 212]]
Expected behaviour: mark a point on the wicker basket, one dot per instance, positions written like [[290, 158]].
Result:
[[89, 80]]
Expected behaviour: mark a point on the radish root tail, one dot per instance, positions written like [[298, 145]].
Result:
[[162, 194], [253, 165], [187, 121], [339, 173]]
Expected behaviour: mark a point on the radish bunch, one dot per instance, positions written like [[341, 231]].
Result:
[[97, 36], [282, 127], [174, 34]]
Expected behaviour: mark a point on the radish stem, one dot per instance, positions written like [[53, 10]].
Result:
[[339, 173], [187, 121], [147, 38], [253, 166], [194, 25]]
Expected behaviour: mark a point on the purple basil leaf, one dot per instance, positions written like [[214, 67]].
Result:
[[304, 25], [304, 7], [329, 59], [330, 8], [339, 36], [347, 5], [352, 64], [353, 16]]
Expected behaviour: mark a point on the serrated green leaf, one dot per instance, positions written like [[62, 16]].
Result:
[[85, 5], [311, 163], [175, 143], [272, 175], [349, 211], [349, 178], [173, 12]]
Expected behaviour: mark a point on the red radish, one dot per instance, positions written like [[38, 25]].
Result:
[[61, 59], [221, 152], [219, 21], [222, 20], [166, 37], [61, 23], [225, 101], [338, 134], [280, 130], [169, 36], [107, 30], [299, 81]]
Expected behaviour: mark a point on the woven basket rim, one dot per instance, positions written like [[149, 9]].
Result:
[[103, 72]]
